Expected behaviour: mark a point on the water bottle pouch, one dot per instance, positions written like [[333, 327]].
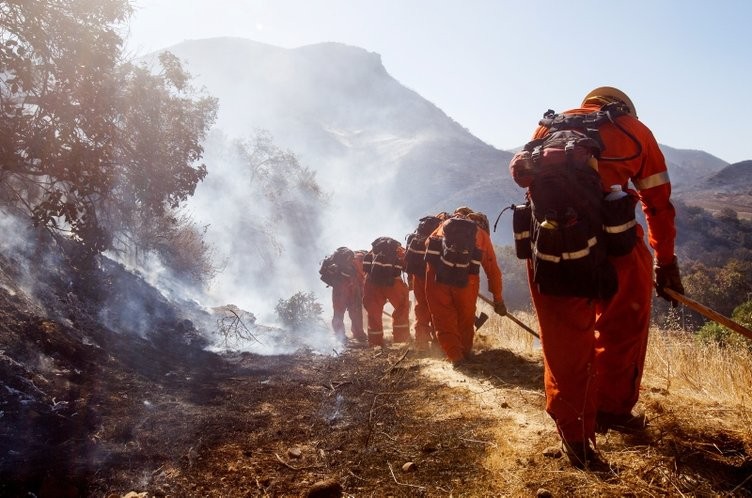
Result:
[[568, 261], [619, 225], [521, 226]]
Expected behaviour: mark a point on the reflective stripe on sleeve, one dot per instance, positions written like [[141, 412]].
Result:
[[655, 180]]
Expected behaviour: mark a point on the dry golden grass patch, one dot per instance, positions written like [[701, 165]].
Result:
[[681, 365]]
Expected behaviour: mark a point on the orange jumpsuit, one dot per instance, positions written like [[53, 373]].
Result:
[[453, 308], [594, 350], [374, 299], [348, 296], [423, 325]]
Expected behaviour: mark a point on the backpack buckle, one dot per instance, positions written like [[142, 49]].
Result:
[[569, 146], [536, 153]]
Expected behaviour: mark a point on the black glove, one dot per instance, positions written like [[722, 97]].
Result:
[[500, 308], [667, 277]]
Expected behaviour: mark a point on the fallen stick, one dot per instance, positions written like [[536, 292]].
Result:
[[285, 463], [292, 467], [333, 388], [391, 367], [402, 483], [709, 313]]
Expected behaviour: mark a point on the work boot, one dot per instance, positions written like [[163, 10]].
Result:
[[376, 338], [626, 423], [361, 337], [467, 362], [459, 363], [581, 455]]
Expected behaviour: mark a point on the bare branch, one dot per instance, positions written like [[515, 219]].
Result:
[[233, 327], [402, 483]]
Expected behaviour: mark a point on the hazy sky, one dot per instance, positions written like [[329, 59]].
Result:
[[496, 65]]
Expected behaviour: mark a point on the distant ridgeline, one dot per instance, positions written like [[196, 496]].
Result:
[[361, 131]]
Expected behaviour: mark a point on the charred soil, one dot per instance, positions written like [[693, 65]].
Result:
[[87, 411]]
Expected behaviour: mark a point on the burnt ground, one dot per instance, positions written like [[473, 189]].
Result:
[[87, 411]]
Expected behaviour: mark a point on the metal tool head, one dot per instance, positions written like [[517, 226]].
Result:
[[480, 320]]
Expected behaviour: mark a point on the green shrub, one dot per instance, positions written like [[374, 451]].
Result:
[[301, 311], [725, 337]]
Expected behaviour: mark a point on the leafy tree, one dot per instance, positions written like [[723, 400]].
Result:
[[91, 148], [56, 148], [293, 196], [161, 126]]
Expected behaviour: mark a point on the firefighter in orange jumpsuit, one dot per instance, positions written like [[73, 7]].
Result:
[[424, 332], [594, 350], [453, 308], [376, 295], [347, 295]]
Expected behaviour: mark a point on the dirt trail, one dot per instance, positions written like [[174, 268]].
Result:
[[296, 425], [164, 417]]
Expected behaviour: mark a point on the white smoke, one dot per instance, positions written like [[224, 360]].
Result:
[[342, 116]]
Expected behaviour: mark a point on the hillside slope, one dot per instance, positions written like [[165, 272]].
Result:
[[728, 188], [339, 110]]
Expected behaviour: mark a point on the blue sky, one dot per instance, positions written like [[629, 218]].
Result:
[[496, 65]]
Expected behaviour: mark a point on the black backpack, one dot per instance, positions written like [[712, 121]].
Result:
[[454, 256], [382, 264], [564, 225], [337, 267], [415, 254]]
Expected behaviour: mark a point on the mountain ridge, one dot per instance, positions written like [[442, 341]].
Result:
[[340, 111]]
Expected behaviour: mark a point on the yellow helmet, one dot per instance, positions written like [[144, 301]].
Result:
[[481, 220], [606, 94]]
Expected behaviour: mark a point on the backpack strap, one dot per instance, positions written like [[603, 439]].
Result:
[[590, 123]]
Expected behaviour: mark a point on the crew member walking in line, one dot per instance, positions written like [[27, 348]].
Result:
[[415, 268], [455, 252], [594, 348], [343, 272], [383, 266]]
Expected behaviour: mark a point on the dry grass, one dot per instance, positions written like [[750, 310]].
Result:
[[501, 332], [686, 366], [675, 362], [714, 380]]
